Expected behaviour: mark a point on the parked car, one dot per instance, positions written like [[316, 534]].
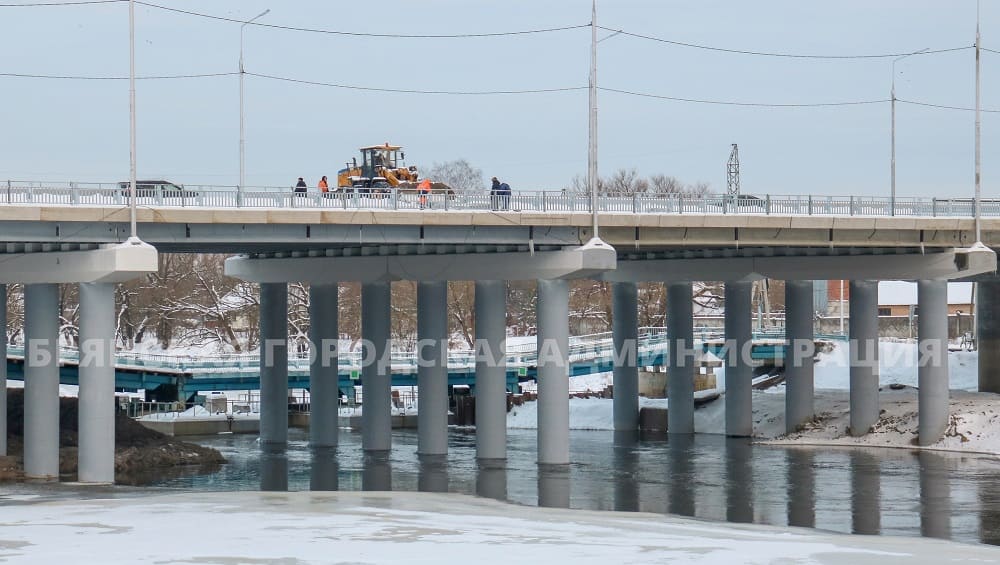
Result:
[[157, 189]]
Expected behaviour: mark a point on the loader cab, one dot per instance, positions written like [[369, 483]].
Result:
[[378, 157]]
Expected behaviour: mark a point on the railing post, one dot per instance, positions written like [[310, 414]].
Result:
[[541, 197], [635, 202], [8, 191], [29, 195], [680, 203], [767, 204], [239, 196], [810, 205], [850, 207], [933, 207], [395, 199], [725, 204]]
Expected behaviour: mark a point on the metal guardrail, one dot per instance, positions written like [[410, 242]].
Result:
[[213, 196]]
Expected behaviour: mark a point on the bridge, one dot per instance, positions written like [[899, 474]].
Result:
[[77, 233]]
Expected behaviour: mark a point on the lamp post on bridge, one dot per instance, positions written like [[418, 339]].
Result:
[[239, 195], [892, 194]]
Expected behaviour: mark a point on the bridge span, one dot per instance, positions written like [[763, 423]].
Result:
[[77, 234]]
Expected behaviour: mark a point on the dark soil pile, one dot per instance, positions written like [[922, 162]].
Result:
[[140, 453]]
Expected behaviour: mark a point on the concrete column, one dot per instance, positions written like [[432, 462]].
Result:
[[274, 363], [935, 494], [625, 336], [864, 356], [273, 467], [988, 334], [3, 370], [432, 372], [739, 372], [801, 487], [324, 389], [324, 469], [680, 372], [865, 490], [491, 370], [799, 353], [376, 473], [625, 459], [41, 381], [376, 372], [553, 486], [433, 473], [553, 372], [491, 479], [97, 383], [932, 360]]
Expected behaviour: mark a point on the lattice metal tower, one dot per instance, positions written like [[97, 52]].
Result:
[[734, 172]]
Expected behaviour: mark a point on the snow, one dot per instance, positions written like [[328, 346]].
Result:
[[902, 293], [421, 528]]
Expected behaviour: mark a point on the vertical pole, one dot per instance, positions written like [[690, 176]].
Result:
[[841, 308], [978, 134], [680, 373], [131, 107], [553, 372], [432, 369], [491, 370], [739, 373], [3, 370], [799, 351], [988, 334], [41, 381], [932, 360], [625, 336], [864, 356], [376, 371], [97, 383], [324, 374], [592, 130], [274, 363]]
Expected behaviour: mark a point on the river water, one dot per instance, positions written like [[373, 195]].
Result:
[[863, 491]]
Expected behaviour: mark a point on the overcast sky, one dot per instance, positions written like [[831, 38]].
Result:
[[188, 130]]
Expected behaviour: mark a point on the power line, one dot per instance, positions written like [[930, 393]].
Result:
[[754, 104], [363, 34], [413, 91], [80, 3], [943, 106], [786, 55], [100, 78]]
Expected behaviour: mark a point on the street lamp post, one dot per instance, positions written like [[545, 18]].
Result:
[[242, 119], [892, 193]]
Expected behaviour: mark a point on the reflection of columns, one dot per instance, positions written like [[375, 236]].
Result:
[[680, 372], [625, 460], [97, 383], [865, 489], [553, 486], [324, 386], [739, 373], [491, 370], [376, 473], [433, 473], [739, 480], [988, 495], [625, 335], [683, 478], [323, 469], [553, 372], [274, 363], [491, 479], [935, 494], [432, 370], [801, 487], [798, 353], [41, 381], [988, 334], [932, 360], [273, 467], [864, 356], [376, 376], [3, 370]]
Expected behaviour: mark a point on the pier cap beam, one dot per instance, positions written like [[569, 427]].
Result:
[[108, 264]]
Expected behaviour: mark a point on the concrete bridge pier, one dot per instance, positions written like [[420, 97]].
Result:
[[739, 373], [932, 360], [553, 372], [3, 372], [625, 336], [799, 353], [41, 381], [376, 370], [274, 363], [864, 402], [324, 389], [680, 372], [988, 334], [491, 370], [432, 369], [96, 457]]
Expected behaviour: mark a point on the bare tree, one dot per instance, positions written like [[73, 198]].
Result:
[[665, 185], [459, 175], [625, 182]]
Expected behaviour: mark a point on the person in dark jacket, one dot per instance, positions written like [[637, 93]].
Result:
[[300, 187], [504, 192], [495, 194]]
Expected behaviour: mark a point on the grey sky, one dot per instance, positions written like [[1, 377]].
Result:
[[188, 129]]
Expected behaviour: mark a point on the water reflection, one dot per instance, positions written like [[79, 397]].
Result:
[[376, 474], [433, 475], [801, 479], [553, 486], [935, 495], [273, 467], [865, 492], [323, 469], [625, 458], [739, 477], [491, 479], [680, 463]]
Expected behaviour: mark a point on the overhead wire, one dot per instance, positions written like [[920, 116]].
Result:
[[414, 91], [42, 4], [100, 78], [753, 104]]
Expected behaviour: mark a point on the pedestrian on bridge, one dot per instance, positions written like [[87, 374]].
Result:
[[300, 187], [323, 186]]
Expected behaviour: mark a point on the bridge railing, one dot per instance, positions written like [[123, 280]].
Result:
[[214, 196]]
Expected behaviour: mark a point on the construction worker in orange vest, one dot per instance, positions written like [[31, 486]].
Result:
[[424, 188]]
